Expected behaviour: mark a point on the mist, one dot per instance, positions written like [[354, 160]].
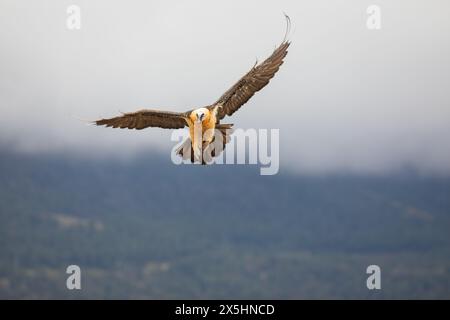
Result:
[[347, 99]]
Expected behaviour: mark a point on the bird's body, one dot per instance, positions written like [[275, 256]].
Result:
[[204, 123], [207, 122]]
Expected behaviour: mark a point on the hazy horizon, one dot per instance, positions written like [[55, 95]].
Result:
[[348, 99]]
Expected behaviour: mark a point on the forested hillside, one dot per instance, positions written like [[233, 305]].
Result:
[[146, 228]]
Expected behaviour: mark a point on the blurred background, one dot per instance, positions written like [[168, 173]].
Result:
[[364, 119]]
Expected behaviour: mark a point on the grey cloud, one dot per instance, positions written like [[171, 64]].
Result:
[[347, 99]]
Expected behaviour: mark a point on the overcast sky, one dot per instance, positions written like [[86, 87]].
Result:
[[348, 99]]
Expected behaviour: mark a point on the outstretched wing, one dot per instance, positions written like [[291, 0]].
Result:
[[256, 79], [146, 118]]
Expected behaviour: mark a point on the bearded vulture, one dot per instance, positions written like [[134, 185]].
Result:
[[204, 122]]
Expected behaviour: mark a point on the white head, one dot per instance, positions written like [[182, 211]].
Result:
[[200, 114]]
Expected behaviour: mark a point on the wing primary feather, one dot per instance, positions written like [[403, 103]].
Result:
[[254, 80], [146, 118], [288, 26]]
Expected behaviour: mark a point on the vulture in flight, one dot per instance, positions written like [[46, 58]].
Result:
[[204, 123]]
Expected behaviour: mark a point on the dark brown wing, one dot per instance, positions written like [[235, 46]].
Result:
[[256, 79], [146, 118]]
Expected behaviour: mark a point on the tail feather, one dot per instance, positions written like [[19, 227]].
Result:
[[226, 129], [185, 151]]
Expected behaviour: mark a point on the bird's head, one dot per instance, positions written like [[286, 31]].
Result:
[[199, 115]]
